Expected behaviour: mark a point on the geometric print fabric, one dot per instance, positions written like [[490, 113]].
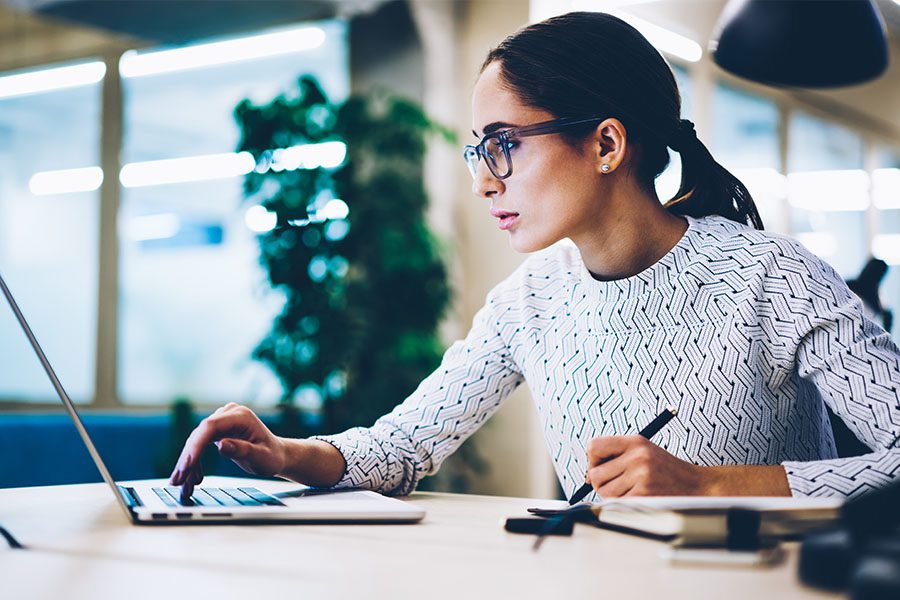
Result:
[[745, 332]]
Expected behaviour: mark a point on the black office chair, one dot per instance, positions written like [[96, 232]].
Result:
[[846, 441]]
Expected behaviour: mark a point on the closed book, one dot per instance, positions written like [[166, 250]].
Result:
[[704, 520]]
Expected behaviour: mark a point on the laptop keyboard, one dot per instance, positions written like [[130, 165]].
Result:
[[210, 496]]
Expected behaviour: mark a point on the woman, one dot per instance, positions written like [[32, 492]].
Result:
[[688, 305]]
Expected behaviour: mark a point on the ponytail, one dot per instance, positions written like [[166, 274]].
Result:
[[708, 188]]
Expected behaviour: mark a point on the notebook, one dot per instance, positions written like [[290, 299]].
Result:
[[698, 520], [702, 520]]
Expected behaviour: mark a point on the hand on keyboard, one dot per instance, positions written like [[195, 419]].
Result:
[[239, 435]]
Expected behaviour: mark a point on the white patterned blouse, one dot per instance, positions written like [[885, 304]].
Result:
[[745, 332]]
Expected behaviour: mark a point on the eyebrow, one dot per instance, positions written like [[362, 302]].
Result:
[[491, 128]]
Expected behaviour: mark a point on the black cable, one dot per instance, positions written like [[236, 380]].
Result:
[[12, 541], [559, 519], [551, 526]]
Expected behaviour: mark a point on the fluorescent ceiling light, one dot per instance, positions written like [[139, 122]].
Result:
[[846, 190], [886, 187], [327, 155], [181, 170], [334, 210], [66, 181], [662, 39], [886, 246], [138, 64], [259, 219], [154, 227], [48, 80]]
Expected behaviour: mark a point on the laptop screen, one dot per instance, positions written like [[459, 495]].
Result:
[[68, 405]]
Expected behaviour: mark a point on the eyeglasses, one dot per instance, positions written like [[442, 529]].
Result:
[[494, 147]]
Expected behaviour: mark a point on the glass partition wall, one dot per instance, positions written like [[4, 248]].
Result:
[[192, 299], [49, 225]]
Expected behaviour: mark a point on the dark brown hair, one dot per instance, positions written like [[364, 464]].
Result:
[[585, 64]]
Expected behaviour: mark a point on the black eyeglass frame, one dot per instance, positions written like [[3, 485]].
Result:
[[505, 135]]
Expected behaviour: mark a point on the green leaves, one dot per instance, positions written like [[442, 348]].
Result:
[[375, 286]]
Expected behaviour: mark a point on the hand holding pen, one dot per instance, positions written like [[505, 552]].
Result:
[[608, 466], [647, 432]]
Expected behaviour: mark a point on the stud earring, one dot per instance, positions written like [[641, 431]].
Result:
[[604, 168]]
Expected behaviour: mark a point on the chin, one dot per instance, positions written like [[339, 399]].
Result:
[[524, 244]]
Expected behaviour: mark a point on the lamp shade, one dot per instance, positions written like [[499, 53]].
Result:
[[813, 43]]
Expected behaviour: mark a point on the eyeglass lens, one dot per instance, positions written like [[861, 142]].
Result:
[[494, 157]]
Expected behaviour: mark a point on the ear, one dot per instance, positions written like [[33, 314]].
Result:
[[609, 145]]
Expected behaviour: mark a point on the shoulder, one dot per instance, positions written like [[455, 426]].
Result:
[[772, 255], [719, 237], [725, 235]]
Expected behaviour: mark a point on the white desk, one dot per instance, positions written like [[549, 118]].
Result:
[[80, 545]]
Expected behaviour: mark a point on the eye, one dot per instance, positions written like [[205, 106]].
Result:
[[510, 144]]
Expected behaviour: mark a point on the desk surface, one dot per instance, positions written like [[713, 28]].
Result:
[[81, 546]]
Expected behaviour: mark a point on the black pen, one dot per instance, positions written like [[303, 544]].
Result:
[[648, 432]]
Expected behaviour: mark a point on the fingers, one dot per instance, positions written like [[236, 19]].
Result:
[[179, 473], [602, 475], [601, 449], [256, 458], [618, 486], [618, 464], [187, 480], [187, 490], [234, 449], [230, 420]]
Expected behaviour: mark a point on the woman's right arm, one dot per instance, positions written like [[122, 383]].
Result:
[[475, 375], [391, 456], [400, 448]]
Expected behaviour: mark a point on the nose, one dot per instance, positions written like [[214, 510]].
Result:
[[485, 185]]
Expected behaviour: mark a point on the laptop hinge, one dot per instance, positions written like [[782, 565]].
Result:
[[130, 496]]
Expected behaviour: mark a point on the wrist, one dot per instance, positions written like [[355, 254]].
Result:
[[713, 482], [290, 451], [311, 462], [745, 480]]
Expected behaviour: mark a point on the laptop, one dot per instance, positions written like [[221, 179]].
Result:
[[144, 504]]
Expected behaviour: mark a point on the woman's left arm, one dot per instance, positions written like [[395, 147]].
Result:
[[631, 465], [843, 359], [854, 366]]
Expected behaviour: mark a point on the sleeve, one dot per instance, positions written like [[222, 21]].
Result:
[[854, 366], [475, 376]]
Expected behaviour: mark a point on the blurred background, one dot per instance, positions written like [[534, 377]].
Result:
[[142, 221]]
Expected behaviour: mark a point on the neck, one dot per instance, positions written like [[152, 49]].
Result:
[[633, 236]]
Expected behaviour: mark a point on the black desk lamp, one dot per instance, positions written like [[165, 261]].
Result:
[[809, 43]]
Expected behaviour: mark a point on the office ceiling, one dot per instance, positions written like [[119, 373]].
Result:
[[31, 30], [181, 21]]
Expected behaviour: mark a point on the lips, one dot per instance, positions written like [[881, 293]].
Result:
[[501, 214], [507, 218]]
